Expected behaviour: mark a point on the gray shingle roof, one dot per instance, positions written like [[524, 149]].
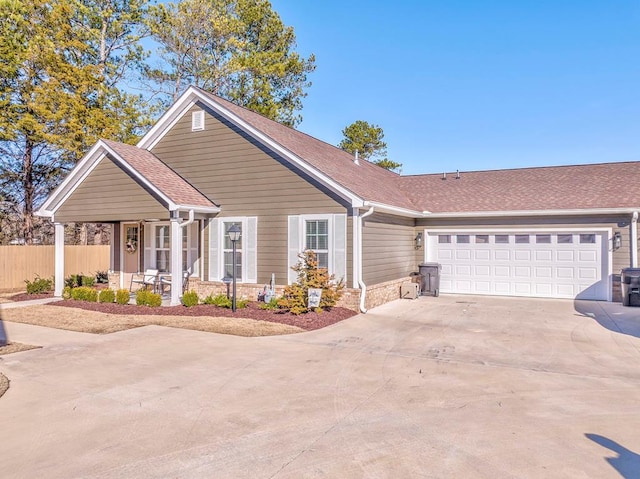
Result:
[[158, 174], [603, 185]]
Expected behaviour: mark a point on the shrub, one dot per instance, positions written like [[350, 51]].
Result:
[[88, 281], [107, 296], [84, 293], [272, 305], [39, 285], [190, 298], [310, 275], [102, 277], [122, 296], [66, 293], [147, 298], [73, 281], [220, 300]]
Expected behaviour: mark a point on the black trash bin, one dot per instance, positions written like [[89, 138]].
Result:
[[430, 278], [630, 281]]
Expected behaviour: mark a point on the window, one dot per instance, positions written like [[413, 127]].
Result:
[[543, 239], [522, 239], [221, 249], [228, 251], [502, 239], [588, 238], [462, 239], [565, 239], [482, 239], [444, 239], [162, 248], [197, 120], [317, 240], [326, 235]]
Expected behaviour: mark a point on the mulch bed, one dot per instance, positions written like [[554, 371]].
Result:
[[308, 321], [29, 297]]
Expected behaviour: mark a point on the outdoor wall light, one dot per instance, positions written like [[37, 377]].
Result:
[[418, 240], [617, 241]]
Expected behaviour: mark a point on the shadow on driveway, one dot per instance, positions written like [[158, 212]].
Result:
[[612, 316], [627, 462]]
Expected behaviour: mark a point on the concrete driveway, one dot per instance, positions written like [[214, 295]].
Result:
[[456, 386]]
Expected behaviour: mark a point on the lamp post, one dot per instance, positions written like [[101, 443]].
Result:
[[234, 236]]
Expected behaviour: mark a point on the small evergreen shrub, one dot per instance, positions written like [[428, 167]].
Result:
[[122, 296], [310, 275], [272, 305], [147, 298], [102, 277], [84, 293], [107, 296], [219, 300], [39, 285], [73, 281], [222, 301], [66, 292], [190, 298], [88, 281]]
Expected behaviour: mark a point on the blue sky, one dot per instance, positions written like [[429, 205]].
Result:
[[475, 85]]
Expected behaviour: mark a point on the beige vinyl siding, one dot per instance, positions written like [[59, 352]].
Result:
[[109, 194], [388, 248], [621, 257], [235, 173]]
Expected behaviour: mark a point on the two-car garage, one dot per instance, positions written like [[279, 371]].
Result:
[[545, 263]]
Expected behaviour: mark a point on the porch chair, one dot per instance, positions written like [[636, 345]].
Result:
[[166, 281], [147, 279]]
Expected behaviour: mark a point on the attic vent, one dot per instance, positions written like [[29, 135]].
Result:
[[197, 120]]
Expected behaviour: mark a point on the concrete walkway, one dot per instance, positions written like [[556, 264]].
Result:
[[456, 386], [26, 304]]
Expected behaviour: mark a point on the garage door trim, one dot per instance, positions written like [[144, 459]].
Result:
[[606, 232]]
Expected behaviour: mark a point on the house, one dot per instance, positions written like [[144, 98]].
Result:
[[559, 232]]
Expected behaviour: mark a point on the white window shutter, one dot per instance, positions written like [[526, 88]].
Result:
[[149, 257], [250, 256], [193, 260], [214, 250], [339, 252], [294, 246]]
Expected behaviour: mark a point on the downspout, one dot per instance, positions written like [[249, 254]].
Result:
[[363, 287], [634, 240]]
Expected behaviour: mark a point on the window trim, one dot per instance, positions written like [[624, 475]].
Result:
[[186, 233], [303, 236], [244, 229]]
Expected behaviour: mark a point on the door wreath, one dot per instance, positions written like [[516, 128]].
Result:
[[131, 246]]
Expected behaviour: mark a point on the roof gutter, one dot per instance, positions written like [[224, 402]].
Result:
[[559, 212], [395, 210], [634, 239], [363, 286]]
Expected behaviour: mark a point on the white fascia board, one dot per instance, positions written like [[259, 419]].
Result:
[[170, 117], [72, 180], [188, 99], [199, 209], [567, 212], [382, 208]]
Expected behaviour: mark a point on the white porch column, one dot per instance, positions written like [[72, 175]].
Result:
[[59, 260], [176, 261]]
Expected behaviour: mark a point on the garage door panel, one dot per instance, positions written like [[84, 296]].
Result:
[[502, 255], [557, 265], [564, 255], [463, 254], [543, 255], [482, 255]]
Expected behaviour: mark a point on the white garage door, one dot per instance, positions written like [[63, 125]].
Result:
[[545, 264]]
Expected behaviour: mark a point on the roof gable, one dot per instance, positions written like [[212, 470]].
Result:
[[165, 185]]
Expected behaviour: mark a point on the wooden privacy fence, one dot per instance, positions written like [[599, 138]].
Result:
[[18, 263]]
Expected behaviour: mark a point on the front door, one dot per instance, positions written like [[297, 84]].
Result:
[[131, 251]]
